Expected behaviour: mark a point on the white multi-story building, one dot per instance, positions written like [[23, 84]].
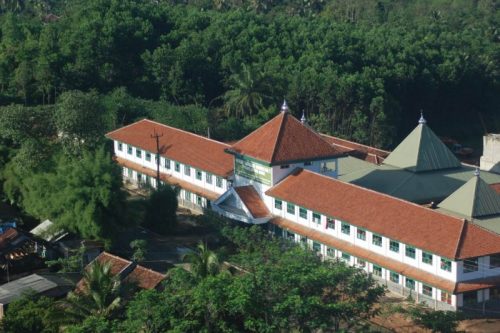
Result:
[[289, 177]]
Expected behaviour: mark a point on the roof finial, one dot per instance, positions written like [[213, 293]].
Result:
[[477, 172], [284, 107], [303, 119], [422, 119]]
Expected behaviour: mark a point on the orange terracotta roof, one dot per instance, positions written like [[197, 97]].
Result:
[[185, 147], [144, 278], [118, 264], [198, 190], [390, 264], [252, 201], [8, 236], [367, 153], [394, 218], [285, 139], [496, 187], [477, 284]]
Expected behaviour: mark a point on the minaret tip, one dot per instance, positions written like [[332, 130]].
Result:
[[284, 107], [422, 119]]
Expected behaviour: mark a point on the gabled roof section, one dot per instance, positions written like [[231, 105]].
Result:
[[185, 147], [473, 199], [422, 151], [285, 139], [252, 201], [394, 218]]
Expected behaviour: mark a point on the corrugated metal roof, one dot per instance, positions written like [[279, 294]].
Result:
[[473, 199], [421, 151], [13, 290]]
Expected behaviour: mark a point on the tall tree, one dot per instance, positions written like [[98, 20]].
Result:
[[161, 209], [202, 261]]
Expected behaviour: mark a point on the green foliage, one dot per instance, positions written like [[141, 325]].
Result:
[[81, 195], [147, 312], [81, 121], [30, 314], [202, 261], [436, 321], [161, 209], [92, 324], [139, 246], [72, 264]]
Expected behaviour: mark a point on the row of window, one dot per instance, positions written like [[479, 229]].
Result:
[[394, 246], [376, 270], [177, 166]]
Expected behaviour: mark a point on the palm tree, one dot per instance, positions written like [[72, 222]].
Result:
[[203, 262], [98, 294], [248, 91]]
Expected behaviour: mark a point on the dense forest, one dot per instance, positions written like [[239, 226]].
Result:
[[359, 69]]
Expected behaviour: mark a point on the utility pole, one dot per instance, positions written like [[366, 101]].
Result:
[[157, 137]]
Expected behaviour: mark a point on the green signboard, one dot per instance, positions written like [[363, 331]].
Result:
[[253, 170]]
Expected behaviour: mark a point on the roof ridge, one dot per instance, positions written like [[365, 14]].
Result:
[[246, 136], [149, 270], [460, 238], [184, 131], [353, 142], [114, 256], [378, 193], [278, 137]]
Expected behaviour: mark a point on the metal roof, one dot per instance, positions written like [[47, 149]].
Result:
[[11, 291], [473, 199], [422, 151]]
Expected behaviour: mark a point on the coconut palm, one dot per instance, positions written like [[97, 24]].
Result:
[[98, 294], [203, 262]]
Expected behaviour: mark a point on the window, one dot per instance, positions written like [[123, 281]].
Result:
[[410, 251], [394, 246], [346, 228], [330, 252], [346, 257], [394, 277], [471, 265], [187, 195], [120, 146], [445, 265], [303, 239], [198, 174], [278, 204], [139, 177], [129, 171], [316, 247], [316, 218], [218, 181], [361, 234], [303, 213], [199, 201], [138, 153], [208, 178], [426, 258], [445, 297], [187, 170], [167, 164], [361, 263], [377, 240], [286, 166], [307, 163], [129, 150], [177, 167], [377, 270], [290, 208], [427, 290], [410, 284], [148, 157], [290, 235], [494, 261], [330, 223]]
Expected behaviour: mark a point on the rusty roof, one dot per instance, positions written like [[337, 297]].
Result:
[[284, 139], [496, 187], [185, 147], [252, 201], [394, 218], [144, 278]]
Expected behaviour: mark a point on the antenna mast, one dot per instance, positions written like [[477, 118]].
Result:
[[157, 137]]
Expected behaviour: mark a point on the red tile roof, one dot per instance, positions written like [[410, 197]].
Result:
[[285, 139], [252, 201], [394, 218], [144, 278], [390, 264], [198, 190], [8, 236], [117, 264], [496, 187], [185, 147], [367, 153]]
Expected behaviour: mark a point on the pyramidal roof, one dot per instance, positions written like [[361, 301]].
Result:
[[284, 139], [421, 151], [473, 199]]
